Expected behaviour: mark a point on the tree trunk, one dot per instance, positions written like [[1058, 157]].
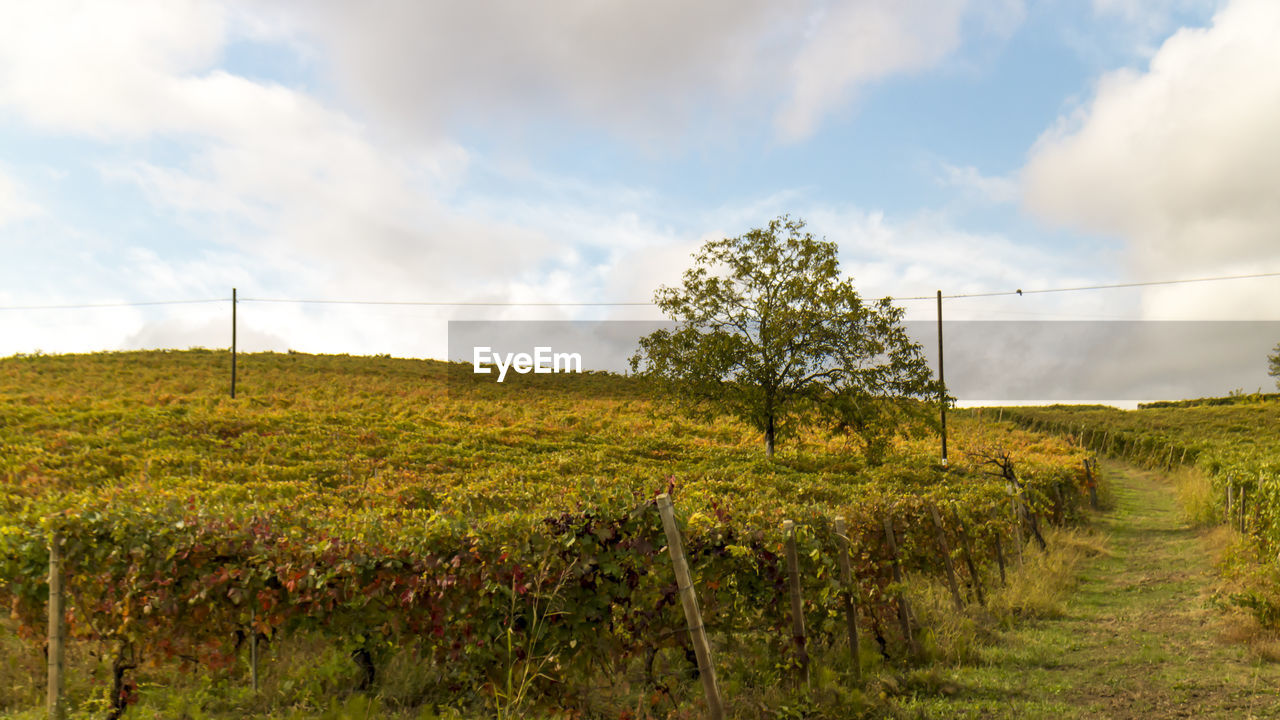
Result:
[[368, 671], [768, 438], [122, 689]]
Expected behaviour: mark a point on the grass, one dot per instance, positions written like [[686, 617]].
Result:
[[302, 678], [1136, 639], [1195, 496], [1247, 588]]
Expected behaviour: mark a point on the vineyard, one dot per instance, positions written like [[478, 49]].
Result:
[[505, 536], [1233, 442]]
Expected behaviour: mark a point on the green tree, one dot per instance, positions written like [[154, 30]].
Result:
[[1273, 364], [768, 331]]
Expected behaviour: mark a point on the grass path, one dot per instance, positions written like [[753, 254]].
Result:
[[1137, 639]]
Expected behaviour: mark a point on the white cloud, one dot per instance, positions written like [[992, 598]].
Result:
[[853, 44], [917, 255], [1150, 16], [102, 69], [425, 66], [302, 189], [648, 70], [288, 190], [1182, 160], [992, 189], [1129, 32], [14, 205]]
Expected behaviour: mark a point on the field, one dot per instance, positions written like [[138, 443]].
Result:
[[1213, 433], [1232, 443], [397, 530]]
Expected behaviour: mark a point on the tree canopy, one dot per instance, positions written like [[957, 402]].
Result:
[[770, 332], [1273, 364]]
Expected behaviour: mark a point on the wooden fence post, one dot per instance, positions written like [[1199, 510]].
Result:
[[850, 595], [1091, 480], [57, 629], [693, 616], [1228, 505], [1243, 503], [1000, 559], [1017, 529], [941, 539], [253, 649], [904, 610], [1033, 523], [797, 602], [967, 548]]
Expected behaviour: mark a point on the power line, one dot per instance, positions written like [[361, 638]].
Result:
[[435, 303], [1000, 293], [431, 303], [86, 306]]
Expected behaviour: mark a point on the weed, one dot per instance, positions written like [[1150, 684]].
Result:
[[1196, 496]]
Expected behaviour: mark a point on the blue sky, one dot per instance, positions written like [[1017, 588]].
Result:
[[580, 151]]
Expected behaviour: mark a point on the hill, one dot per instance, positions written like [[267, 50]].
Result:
[[391, 506]]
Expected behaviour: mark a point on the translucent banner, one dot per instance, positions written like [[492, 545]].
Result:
[[995, 361]]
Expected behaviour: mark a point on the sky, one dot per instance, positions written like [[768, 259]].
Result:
[[580, 151]]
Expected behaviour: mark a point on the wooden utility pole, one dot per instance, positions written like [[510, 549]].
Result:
[[233, 343], [692, 615], [942, 382]]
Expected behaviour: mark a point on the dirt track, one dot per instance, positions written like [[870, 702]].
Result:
[[1138, 639]]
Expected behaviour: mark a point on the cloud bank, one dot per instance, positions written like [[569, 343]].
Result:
[[1181, 160]]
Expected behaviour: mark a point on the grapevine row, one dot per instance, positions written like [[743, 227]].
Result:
[[187, 586]]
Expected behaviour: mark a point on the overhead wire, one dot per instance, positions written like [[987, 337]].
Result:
[[139, 303], [1109, 286], [481, 303]]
